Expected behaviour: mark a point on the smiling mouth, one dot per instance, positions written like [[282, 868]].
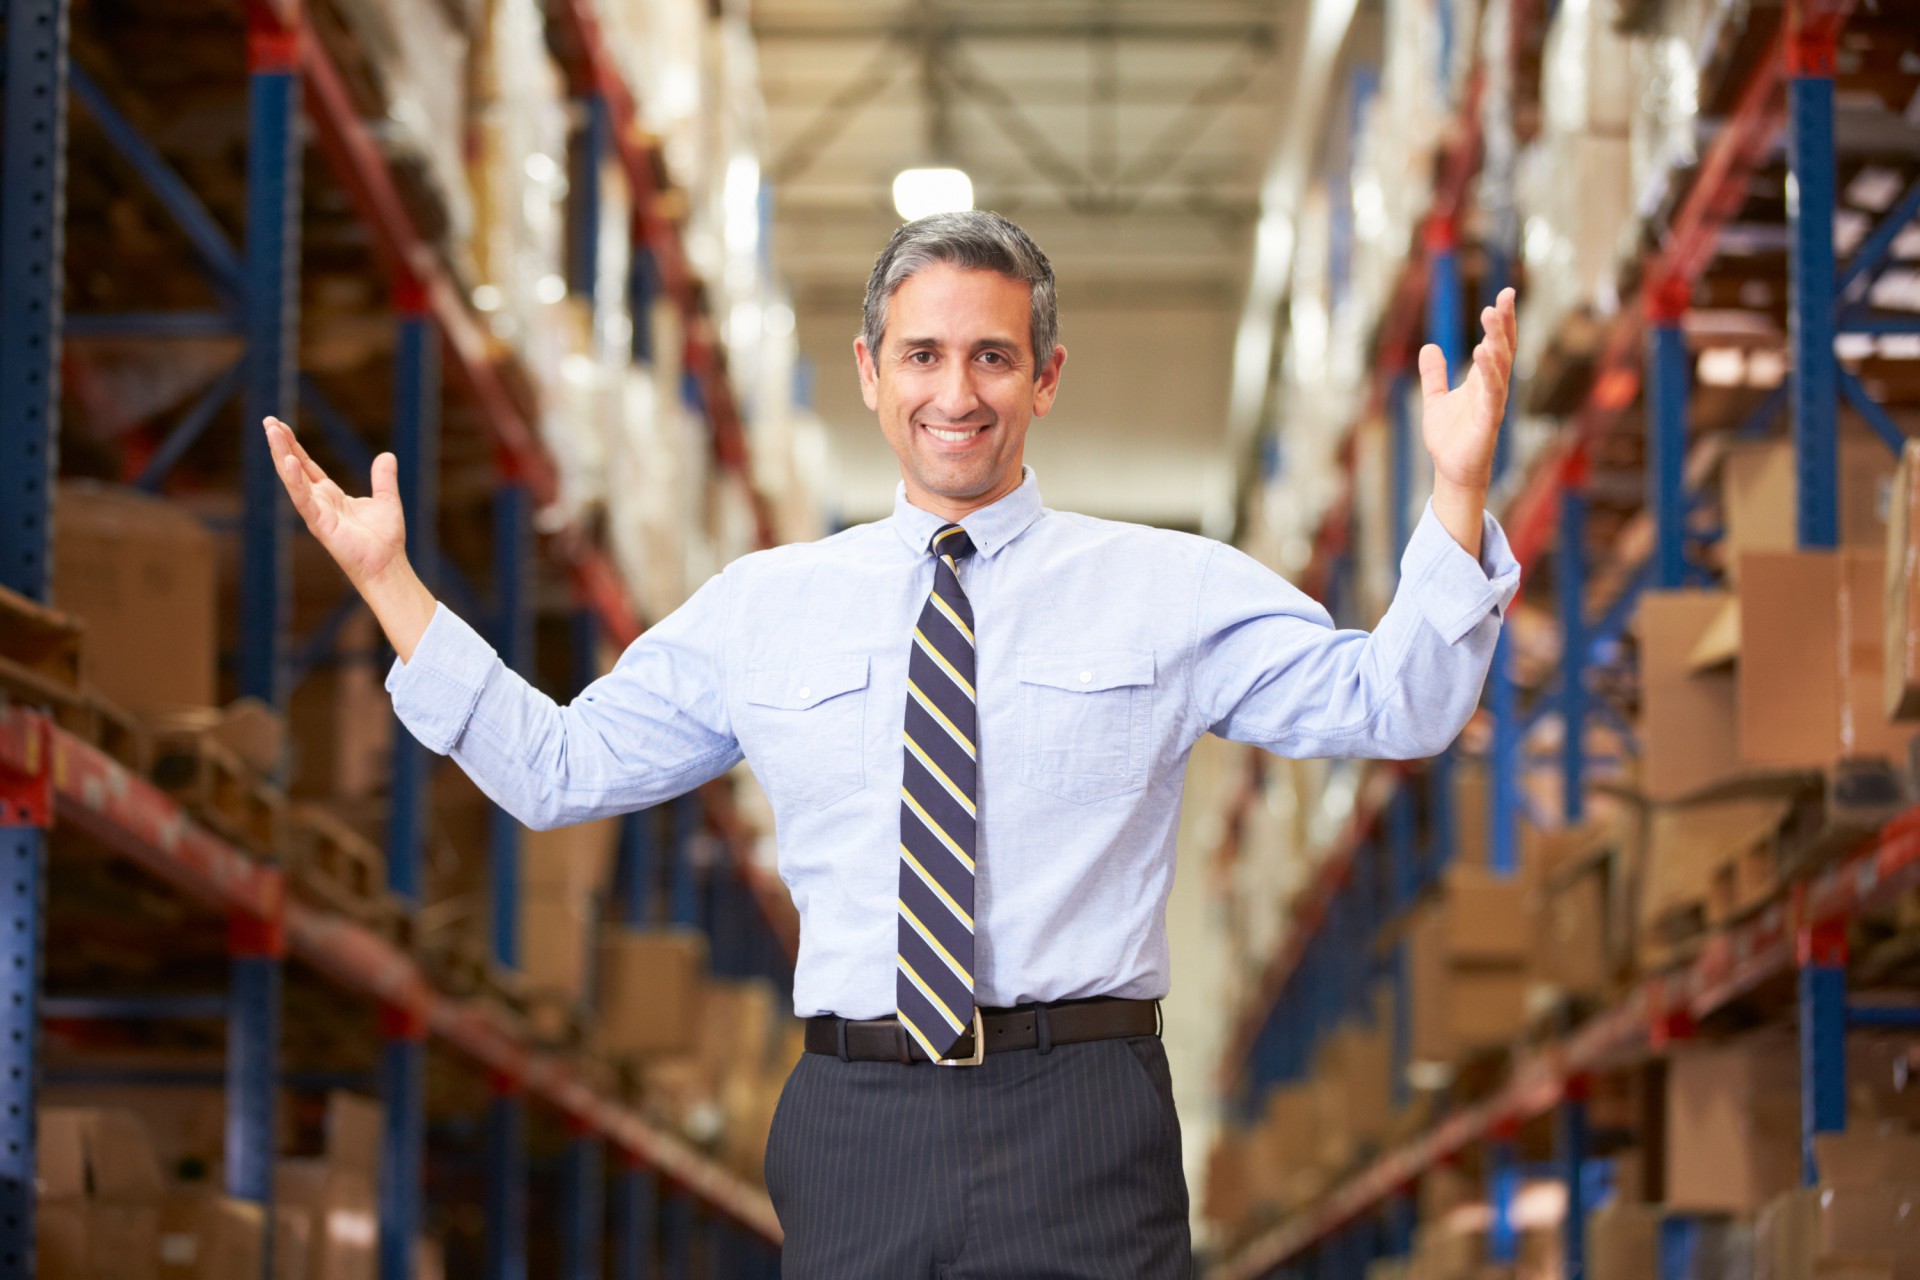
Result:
[[953, 435]]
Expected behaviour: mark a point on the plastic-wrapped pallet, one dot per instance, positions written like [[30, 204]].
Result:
[[1680, 39], [417, 56], [1573, 185], [519, 178]]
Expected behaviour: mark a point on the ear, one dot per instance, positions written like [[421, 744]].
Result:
[[869, 373], [1047, 385]]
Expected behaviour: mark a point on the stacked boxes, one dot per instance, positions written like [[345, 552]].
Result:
[[1467, 966]]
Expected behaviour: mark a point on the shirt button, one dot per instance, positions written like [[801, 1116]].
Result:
[[806, 691], [1086, 676]]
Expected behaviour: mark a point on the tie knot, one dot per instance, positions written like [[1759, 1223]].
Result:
[[953, 541]]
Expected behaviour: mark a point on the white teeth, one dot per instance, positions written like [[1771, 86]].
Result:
[[955, 437]]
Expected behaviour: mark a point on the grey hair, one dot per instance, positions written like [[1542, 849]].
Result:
[[976, 240]]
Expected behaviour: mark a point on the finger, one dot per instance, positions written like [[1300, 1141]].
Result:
[[1510, 309], [299, 488], [1433, 372], [298, 450], [386, 477]]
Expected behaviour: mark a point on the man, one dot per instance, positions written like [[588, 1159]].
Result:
[[972, 720]]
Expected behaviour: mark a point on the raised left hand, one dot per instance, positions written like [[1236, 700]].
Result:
[[1460, 426]]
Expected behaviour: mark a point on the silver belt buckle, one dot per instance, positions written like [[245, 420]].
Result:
[[979, 1046]]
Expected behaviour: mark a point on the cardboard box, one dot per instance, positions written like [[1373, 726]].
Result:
[[1733, 1124], [1689, 722], [1623, 1242], [99, 1196], [1458, 1007], [651, 985], [342, 1216], [205, 1236], [737, 1018], [1900, 608], [1708, 860], [356, 1133], [1483, 918], [556, 939], [570, 863], [1570, 938], [1823, 1233], [1811, 688], [341, 721], [1224, 1201], [1759, 496], [1865, 1157], [135, 567]]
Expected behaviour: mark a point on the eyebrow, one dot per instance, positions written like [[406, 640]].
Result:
[[1011, 344]]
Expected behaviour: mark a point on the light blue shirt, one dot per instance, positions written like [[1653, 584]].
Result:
[[1105, 650]]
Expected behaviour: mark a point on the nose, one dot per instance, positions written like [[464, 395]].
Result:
[[956, 397]]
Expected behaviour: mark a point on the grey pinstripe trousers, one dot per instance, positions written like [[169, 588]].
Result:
[[1031, 1166]]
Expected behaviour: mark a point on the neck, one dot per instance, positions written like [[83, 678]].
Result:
[[953, 510]]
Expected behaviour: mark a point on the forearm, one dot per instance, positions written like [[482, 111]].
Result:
[[401, 604], [1460, 511]]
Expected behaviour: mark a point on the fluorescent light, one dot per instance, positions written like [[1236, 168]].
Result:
[[920, 192]]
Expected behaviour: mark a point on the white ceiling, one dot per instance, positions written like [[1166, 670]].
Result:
[[1129, 138]]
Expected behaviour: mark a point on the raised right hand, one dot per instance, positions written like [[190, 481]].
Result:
[[367, 537]]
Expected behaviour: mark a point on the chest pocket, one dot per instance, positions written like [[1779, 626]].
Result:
[[809, 718], [1085, 719]]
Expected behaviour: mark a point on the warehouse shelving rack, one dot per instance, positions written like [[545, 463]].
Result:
[[48, 777], [1376, 869]]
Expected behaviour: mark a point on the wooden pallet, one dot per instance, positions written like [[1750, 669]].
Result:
[[330, 864], [217, 788], [42, 642]]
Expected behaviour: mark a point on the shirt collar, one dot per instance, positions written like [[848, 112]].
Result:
[[990, 528]]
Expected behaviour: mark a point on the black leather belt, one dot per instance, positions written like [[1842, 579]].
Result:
[[1035, 1026]]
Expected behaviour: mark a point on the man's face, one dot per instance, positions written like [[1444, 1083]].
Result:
[[954, 387]]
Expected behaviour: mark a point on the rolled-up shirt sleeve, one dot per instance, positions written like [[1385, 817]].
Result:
[[653, 727], [1271, 669]]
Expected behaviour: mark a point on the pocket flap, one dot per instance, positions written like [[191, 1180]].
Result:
[[1087, 672], [806, 684]]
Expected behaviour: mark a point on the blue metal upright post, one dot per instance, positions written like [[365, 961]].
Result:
[[32, 261], [403, 1073], [583, 200], [506, 1242], [1811, 277], [258, 950], [513, 639], [1503, 1179], [1570, 590], [1445, 327], [1400, 446], [1504, 763], [685, 875], [32, 267], [1668, 379], [636, 1200], [272, 333], [676, 1235], [639, 867], [583, 1208], [507, 1149], [416, 442], [416, 448], [1574, 1143], [1822, 955]]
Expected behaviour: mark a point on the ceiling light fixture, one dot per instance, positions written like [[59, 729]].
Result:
[[918, 193]]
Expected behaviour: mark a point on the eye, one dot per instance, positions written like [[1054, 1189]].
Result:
[[921, 357], [993, 357]]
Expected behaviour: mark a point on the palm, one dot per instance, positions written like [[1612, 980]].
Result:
[[363, 535], [1461, 426]]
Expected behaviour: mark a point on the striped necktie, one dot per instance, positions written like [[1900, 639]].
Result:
[[933, 979]]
